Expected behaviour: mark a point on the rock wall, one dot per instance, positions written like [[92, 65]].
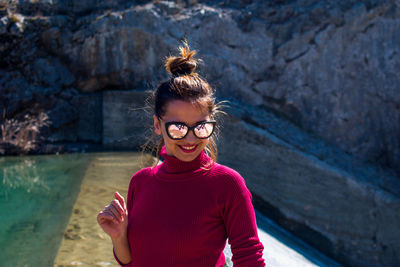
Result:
[[330, 68], [342, 206]]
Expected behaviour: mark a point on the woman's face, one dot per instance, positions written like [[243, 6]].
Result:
[[188, 148]]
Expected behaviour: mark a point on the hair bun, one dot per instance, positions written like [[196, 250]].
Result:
[[183, 65]]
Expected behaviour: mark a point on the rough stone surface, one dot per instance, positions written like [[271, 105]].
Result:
[[329, 67], [342, 212]]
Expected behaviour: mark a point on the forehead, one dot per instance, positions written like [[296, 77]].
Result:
[[178, 110]]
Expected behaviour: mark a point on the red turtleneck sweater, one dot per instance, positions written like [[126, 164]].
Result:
[[180, 215]]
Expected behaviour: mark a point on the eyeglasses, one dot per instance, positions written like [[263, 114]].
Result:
[[179, 130]]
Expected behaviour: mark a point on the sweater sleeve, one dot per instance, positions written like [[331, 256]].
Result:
[[120, 263], [240, 224]]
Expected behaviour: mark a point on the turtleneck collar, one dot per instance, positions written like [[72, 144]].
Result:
[[173, 165]]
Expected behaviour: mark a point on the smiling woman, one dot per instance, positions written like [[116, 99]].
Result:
[[179, 141], [188, 99], [181, 212]]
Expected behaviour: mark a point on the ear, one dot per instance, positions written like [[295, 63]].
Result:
[[157, 126]]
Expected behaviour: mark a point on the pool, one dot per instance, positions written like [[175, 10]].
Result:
[[36, 197], [40, 209], [49, 205]]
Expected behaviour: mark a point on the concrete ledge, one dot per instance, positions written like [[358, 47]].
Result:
[[126, 119]]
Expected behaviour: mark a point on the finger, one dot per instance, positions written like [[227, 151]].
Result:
[[115, 212], [118, 206], [120, 199], [105, 216]]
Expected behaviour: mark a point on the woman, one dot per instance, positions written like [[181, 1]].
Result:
[[181, 212]]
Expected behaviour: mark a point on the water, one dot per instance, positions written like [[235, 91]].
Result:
[[36, 197], [84, 242], [49, 204]]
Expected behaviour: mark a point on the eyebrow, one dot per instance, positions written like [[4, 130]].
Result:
[[187, 123]]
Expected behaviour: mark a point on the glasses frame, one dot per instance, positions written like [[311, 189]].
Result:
[[190, 128]]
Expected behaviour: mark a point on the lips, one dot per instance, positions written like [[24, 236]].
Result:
[[188, 148]]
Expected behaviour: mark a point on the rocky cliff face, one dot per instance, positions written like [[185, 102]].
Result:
[[329, 68]]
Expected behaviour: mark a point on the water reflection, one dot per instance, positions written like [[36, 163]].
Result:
[[36, 197], [23, 175]]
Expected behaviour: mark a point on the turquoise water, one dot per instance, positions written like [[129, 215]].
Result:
[[37, 194]]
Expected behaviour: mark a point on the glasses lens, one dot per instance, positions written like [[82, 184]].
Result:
[[204, 129], [177, 130]]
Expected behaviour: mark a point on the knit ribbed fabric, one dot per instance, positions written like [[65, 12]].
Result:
[[180, 214]]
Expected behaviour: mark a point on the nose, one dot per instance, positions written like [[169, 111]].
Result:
[[190, 137]]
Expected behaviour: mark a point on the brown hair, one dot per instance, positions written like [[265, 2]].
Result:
[[186, 85]]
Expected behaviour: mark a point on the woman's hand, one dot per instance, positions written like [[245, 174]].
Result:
[[113, 219]]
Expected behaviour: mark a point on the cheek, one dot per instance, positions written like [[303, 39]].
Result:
[[168, 141], [204, 142], [163, 132], [171, 146]]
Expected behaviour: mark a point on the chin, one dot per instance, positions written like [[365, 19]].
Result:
[[188, 158]]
